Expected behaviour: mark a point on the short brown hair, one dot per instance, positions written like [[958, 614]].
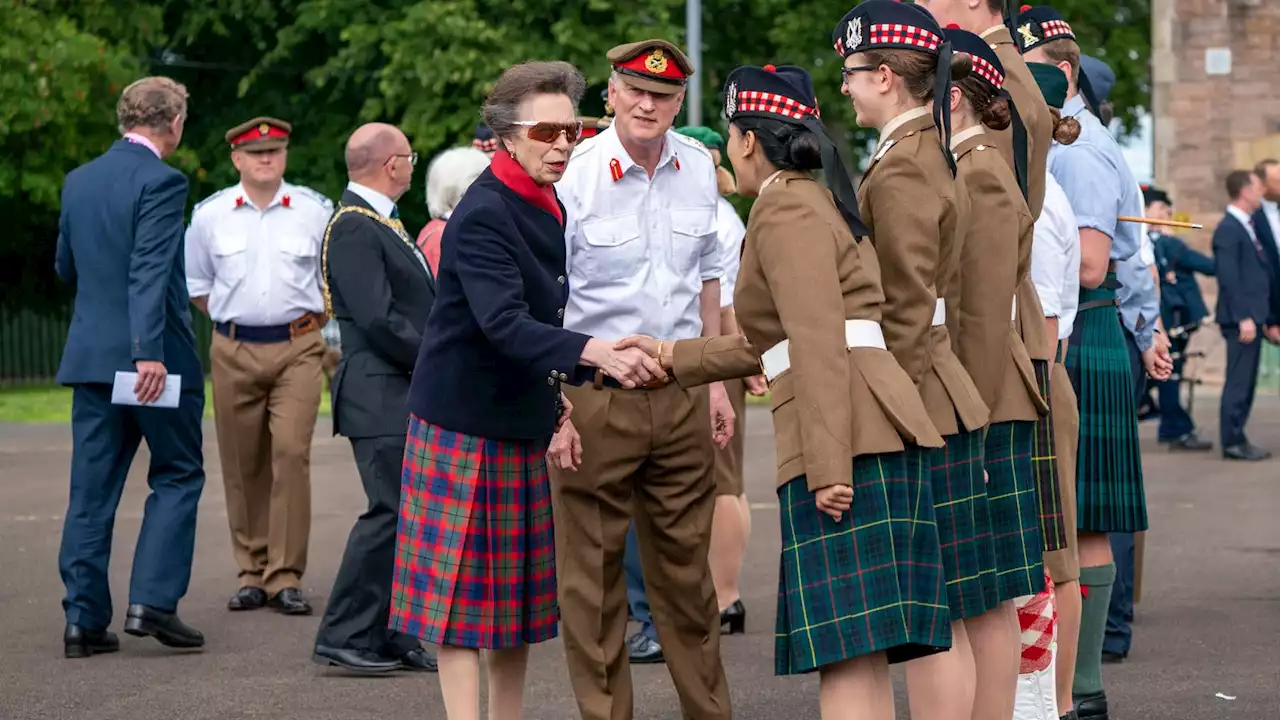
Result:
[[518, 82], [1064, 50], [152, 103], [917, 69], [1262, 167], [1237, 181]]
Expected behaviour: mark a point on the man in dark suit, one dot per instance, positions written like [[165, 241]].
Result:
[[1181, 309], [380, 290], [1244, 309], [120, 246], [1266, 221]]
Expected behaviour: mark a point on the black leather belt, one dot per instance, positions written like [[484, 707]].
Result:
[[268, 333], [1093, 304]]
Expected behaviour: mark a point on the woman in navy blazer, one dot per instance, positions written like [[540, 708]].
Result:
[[475, 560]]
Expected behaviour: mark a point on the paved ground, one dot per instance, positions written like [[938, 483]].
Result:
[[1208, 623]]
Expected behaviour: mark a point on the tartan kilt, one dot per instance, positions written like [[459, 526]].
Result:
[[1044, 460], [475, 547], [1109, 491], [1015, 514], [964, 525], [870, 583]]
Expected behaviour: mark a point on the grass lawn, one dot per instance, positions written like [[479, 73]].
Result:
[[52, 403]]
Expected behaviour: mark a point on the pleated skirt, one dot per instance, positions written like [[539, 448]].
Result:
[[1044, 460], [1015, 513], [964, 525], [1109, 491], [871, 582]]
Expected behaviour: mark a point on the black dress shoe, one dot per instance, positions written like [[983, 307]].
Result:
[[1245, 451], [1113, 658], [418, 660], [247, 598], [1190, 441], [735, 616], [1091, 707], [643, 651], [168, 628], [1071, 715], [78, 642], [290, 601], [358, 661]]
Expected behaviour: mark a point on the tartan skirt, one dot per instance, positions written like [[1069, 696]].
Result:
[[964, 525], [1044, 461], [1015, 514], [1109, 492], [475, 547], [870, 583]]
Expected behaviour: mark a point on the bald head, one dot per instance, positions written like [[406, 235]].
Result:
[[370, 146]]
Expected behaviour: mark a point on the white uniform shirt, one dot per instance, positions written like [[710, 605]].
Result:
[[258, 266], [638, 248], [730, 232], [1055, 258]]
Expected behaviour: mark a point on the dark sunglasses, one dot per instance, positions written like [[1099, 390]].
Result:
[[546, 132]]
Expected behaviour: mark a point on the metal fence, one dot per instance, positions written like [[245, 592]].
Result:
[[31, 344]]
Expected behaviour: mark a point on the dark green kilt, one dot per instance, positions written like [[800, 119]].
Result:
[[964, 525], [1015, 514], [1044, 460], [1109, 492], [869, 583]]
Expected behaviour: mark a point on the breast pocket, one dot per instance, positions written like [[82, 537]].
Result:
[[229, 261], [691, 230], [297, 260], [613, 246]]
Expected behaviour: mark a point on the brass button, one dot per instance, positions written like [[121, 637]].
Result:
[[560, 279], [551, 381], [560, 313], [563, 377]]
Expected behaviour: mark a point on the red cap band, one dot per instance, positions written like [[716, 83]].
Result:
[[654, 63], [256, 133]]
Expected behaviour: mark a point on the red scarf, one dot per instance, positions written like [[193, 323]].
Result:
[[513, 175]]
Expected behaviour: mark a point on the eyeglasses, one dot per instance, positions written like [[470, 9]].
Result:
[[411, 157], [847, 72], [546, 132]]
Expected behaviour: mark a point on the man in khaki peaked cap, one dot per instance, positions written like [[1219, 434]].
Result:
[[260, 133], [653, 65]]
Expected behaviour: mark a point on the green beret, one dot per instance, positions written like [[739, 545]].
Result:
[[1052, 82], [705, 135]]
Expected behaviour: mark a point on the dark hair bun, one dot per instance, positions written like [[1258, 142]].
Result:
[[961, 66], [803, 150], [1066, 130], [997, 115]]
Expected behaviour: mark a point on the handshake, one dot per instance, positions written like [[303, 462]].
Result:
[[633, 361]]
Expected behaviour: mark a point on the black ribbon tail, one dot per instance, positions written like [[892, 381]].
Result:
[[1086, 89], [1011, 17], [1019, 147], [942, 103], [838, 181]]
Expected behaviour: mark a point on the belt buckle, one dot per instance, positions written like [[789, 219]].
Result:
[[302, 326]]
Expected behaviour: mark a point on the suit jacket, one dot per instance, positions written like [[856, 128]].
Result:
[[802, 275], [1244, 276], [497, 350], [1272, 254], [980, 307], [120, 238], [1035, 115], [918, 243], [1183, 292], [381, 294]]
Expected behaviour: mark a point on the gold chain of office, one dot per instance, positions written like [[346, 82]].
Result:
[[395, 225]]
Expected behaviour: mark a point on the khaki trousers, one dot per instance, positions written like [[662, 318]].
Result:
[[1064, 565], [265, 400], [647, 453]]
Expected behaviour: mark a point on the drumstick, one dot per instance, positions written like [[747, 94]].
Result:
[[1165, 223]]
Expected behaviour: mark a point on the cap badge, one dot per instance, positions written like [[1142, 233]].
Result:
[[731, 100], [263, 129], [656, 63], [1028, 38], [853, 35]]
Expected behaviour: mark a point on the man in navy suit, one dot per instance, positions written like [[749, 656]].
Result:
[[120, 247], [1244, 309], [1266, 221]]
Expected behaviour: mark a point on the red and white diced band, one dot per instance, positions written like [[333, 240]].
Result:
[[899, 34], [757, 101], [987, 71]]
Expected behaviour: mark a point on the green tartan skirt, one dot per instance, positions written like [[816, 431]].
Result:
[[964, 525], [1044, 461], [871, 582], [1015, 514], [1109, 492]]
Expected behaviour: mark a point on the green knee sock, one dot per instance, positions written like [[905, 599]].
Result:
[[1096, 582]]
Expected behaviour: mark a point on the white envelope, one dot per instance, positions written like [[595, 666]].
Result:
[[122, 390]]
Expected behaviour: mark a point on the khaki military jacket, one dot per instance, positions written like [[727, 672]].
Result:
[[1034, 112], [909, 200], [999, 226], [801, 278]]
